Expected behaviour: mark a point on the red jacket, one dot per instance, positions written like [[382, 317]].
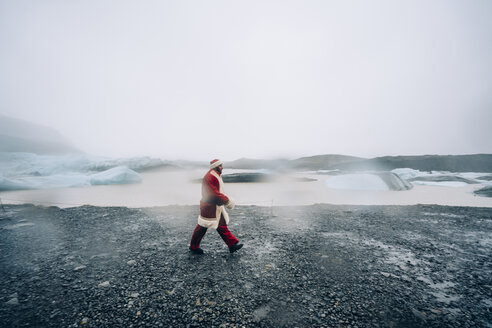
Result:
[[211, 195]]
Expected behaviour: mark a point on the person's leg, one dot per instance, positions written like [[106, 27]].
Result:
[[224, 232], [197, 237]]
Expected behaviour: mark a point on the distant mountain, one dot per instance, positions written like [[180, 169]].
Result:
[[322, 162], [254, 164], [318, 162], [21, 136], [452, 163]]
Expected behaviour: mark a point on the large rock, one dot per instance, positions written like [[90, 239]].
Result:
[[246, 177], [485, 191]]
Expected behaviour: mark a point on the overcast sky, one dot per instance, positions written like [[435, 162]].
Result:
[[260, 79]]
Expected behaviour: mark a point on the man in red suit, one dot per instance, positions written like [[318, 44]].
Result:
[[212, 210]]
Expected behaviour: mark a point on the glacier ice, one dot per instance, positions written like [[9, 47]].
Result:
[[8, 184], [116, 175], [368, 181], [28, 164], [406, 173], [31, 171]]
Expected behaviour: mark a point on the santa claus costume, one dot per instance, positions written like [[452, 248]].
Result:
[[213, 213]]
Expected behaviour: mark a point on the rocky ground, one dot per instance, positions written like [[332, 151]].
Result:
[[320, 265]]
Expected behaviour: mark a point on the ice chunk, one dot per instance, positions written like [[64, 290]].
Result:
[[27, 164], [30, 171], [116, 175], [393, 181], [406, 173], [485, 191], [8, 184], [456, 184], [42, 182]]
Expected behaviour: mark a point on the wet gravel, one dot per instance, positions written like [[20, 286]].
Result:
[[311, 266]]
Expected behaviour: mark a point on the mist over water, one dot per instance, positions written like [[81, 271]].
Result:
[[177, 187]]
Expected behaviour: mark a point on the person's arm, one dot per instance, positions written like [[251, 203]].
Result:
[[212, 190]]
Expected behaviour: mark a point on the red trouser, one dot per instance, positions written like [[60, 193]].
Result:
[[222, 229]]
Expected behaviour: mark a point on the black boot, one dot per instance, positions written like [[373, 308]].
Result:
[[198, 251], [237, 246]]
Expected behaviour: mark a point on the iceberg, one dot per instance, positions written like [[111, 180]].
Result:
[[43, 182], [116, 175], [394, 181], [28, 164], [440, 178], [54, 181], [456, 184], [485, 191], [31, 171], [368, 181], [406, 173], [8, 184]]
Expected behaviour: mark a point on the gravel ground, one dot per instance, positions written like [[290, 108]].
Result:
[[320, 265]]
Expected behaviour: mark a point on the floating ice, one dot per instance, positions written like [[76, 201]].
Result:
[[455, 184], [406, 173], [27, 164], [30, 171], [394, 181], [439, 178], [8, 184], [116, 175], [52, 181], [368, 181]]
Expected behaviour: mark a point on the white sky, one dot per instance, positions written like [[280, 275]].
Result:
[[260, 79]]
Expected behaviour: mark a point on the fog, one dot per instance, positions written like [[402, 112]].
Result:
[[259, 79]]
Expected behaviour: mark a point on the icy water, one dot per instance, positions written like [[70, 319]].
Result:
[[176, 187]]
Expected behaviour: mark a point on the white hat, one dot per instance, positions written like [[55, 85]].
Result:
[[215, 163]]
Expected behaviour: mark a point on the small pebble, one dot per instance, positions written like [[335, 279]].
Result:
[[13, 301], [104, 284]]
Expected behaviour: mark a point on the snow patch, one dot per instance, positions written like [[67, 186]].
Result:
[[441, 291], [394, 255]]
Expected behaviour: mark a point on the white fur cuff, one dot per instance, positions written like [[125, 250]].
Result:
[[230, 204]]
